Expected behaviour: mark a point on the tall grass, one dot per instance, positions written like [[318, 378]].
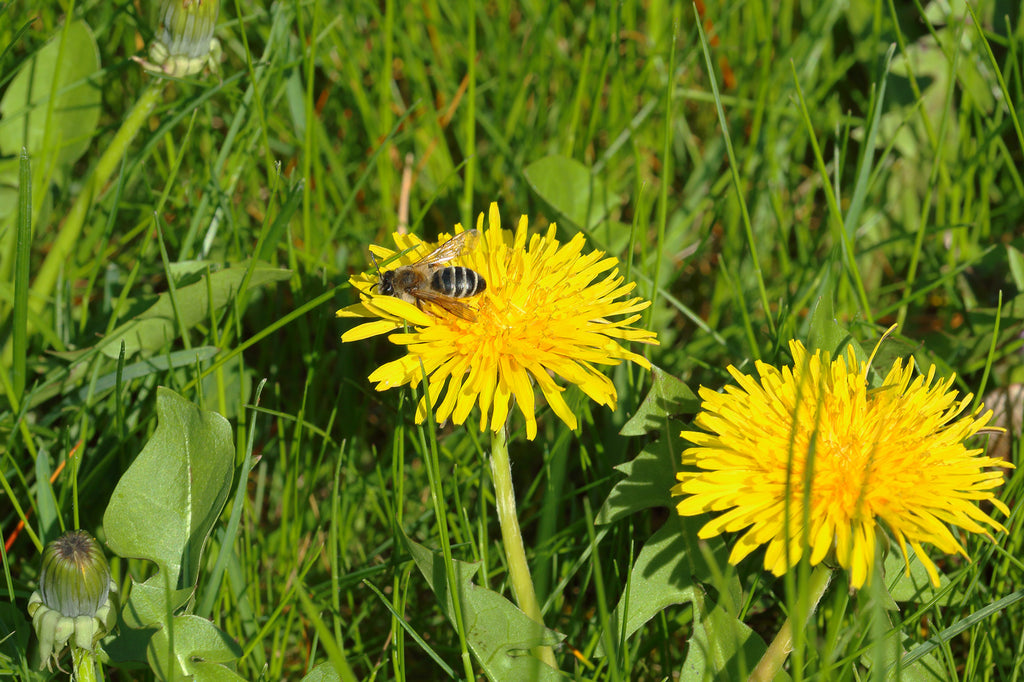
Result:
[[748, 169]]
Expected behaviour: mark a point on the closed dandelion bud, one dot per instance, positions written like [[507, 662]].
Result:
[[75, 579], [74, 592], [184, 44]]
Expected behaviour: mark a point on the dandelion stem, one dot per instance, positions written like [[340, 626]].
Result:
[[771, 663], [85, 668], [512, 537]]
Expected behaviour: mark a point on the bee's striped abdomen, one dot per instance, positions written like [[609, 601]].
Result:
[[457, 282]]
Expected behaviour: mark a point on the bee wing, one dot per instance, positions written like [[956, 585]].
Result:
[[450, 249], [452, 305]]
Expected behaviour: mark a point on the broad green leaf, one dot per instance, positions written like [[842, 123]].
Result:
[[901, 666], [147, 615], [722, 647], [24, 109], [127, 647], [15, 630], [324, 672], [666, 573], [571, 189], [46, 500], [196, 650], [926, 669], [658, 579], [499, 635], [649, 479], [1016, 261], [915, 586], [825, 331], [668, 397], [163, 509], [150, 602], [156, 327], [8, 199], [166, 503], [898, 347]]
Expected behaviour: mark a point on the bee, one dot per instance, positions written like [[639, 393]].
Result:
[[428, 279]]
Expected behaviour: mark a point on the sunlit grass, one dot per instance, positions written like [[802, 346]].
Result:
[[857, 186]]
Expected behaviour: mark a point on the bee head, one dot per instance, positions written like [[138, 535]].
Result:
[[385, 281]]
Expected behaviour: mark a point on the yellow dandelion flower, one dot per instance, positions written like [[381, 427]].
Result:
[[545, 312], [891, 458]]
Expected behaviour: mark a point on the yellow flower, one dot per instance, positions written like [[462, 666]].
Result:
[[545, 311], [814, 444]]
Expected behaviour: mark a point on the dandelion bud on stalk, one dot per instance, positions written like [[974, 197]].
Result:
[[73, 598], [184, 44]]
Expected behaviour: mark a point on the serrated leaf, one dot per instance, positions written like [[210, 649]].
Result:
[[25, 107], [659, 579], [925, 669], [156, 326], [571, 189], [169, 498], [649, 480], [666, 573], [722, 647], [499, 635], [196, 650], [922, 667], [915, 586], [668, 396]]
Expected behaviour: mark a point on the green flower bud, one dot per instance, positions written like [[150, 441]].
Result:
[[184, 43], [74, 593], [75, 578]]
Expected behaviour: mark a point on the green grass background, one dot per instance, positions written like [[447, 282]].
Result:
[[866, 156]]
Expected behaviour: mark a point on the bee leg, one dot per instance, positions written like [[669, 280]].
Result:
[[419, 304]]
